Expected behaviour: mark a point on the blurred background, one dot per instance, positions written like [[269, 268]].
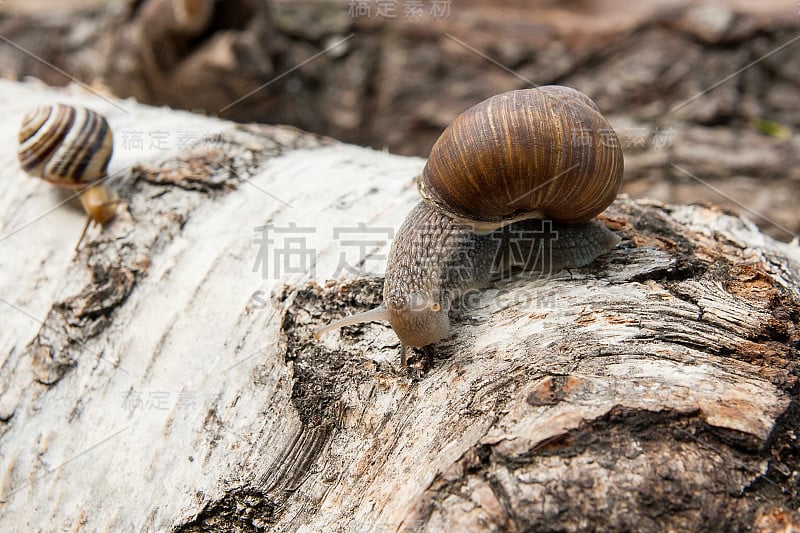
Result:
[[705, 95]]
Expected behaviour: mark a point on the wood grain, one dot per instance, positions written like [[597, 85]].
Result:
[[156, 381]]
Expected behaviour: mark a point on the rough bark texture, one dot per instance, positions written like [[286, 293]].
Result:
[[704, 94], [154, 380]]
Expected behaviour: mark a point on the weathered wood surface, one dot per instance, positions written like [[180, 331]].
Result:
[[155, 381]]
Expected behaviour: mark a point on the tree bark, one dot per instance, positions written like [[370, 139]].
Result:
[[165, 376]]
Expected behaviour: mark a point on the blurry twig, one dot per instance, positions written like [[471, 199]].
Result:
[[60, 71], [283, 74], [734, 74], [489, 59], [734, 200]]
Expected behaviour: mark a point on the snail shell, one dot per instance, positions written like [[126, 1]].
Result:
[[70, 147], [64, 145], [533, 153]]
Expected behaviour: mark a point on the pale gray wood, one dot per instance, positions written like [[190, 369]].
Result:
[[170, 386]]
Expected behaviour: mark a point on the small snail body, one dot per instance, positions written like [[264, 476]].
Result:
[[70, 147], [511, 185]]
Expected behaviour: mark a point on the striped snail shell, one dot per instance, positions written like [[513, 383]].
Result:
[[70, 147], [533, 153]]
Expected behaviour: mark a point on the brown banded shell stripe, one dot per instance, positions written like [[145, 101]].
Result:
[[587, 159], [532, 144], [32, 121], [47, 139], [94, 166], [553, 177], [73, 148], [569, 122], [525, 151], [607, 156], [449, 162], [511, 144], [28, 142], [39, 142], [522, 154], [461, 158], [477, 138], [484, 164], [87, 165], [509, 124]]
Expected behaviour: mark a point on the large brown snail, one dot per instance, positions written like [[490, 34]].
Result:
[[70, 147], [538, 162]]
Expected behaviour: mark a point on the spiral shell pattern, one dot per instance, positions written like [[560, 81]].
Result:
[[64, 145], [533, 153]]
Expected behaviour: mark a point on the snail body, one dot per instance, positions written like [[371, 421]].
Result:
[[511, 185], [70, 147]]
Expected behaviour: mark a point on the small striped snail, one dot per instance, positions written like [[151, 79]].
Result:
[[497, 171], [70, 147]]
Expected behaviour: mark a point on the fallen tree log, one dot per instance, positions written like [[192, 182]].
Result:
[[165, 376]]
